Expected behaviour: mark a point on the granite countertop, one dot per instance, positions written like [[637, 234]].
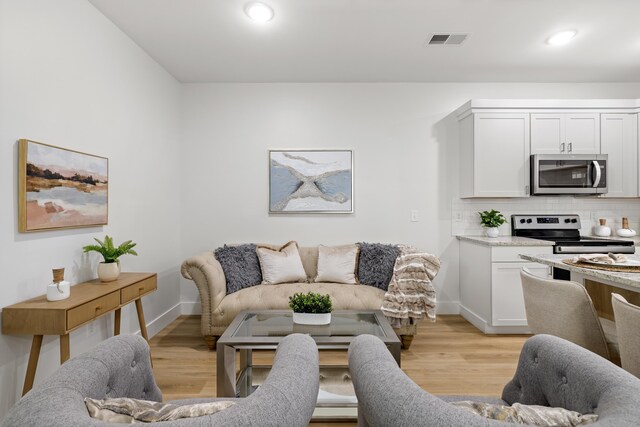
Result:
[[505, 241], [631, 280], [525, 241]]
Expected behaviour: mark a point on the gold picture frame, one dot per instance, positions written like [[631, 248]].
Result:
[[59, 188]]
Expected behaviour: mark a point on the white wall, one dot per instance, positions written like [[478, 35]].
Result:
[[405, 146], [69, 77]]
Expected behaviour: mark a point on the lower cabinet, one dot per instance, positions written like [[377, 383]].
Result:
[[507, 301], [490, 288]]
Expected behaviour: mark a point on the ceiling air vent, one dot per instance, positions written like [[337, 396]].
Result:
[[441, 39]]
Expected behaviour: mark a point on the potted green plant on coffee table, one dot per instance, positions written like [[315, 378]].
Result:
[[491, 220], [311, 308], [109, 270]]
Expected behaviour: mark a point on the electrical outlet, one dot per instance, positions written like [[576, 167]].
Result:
[[594, 216], [414, 216], [457, 216]]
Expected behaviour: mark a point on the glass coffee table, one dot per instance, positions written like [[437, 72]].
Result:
[[263, 330]]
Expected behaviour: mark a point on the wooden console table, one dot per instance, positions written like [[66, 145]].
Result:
[[88, 301]]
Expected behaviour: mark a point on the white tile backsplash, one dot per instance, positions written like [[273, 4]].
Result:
[[589, 209]]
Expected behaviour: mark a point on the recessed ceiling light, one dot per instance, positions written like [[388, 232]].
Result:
[[562, 37], [259, 12]]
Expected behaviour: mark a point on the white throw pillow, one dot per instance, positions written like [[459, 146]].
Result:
[[281, 265], [337, 264]]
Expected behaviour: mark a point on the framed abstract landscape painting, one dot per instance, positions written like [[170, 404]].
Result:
[[310, 181], [60, 188]]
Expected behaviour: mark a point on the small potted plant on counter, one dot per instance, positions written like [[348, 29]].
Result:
[[491, 220], [311, 308], [109, 270]]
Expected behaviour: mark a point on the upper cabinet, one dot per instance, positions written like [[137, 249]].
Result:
[[495, 146], [565, 133], [497, 137], [619, 140]]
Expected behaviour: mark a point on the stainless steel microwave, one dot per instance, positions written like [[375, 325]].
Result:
[[579, 174]]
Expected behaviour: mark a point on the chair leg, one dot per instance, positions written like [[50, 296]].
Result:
[[211, 341], [406, 341]]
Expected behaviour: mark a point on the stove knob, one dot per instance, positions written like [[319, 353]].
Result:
[[522, 221], [567, 220], [529, 221], [574, 220]]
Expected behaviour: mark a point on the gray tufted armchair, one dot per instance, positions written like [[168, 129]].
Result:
[[120, 367], [551, 372]]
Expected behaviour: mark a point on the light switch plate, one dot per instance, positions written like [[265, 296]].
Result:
[[414, 216]]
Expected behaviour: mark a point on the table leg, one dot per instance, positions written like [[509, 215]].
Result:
[[143, 325], [64, 348], [116, 322], [395, 350], [225, 371], [246, 356], [36, 343]]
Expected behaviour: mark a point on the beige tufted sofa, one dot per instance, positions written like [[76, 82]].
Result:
[[219, 309]]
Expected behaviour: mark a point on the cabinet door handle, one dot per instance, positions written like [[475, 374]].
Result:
[[98, 307], [562, 147], [570, 147], [141, 288], [526, 190]]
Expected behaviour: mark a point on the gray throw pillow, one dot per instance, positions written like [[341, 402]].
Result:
[[240, 265], [375, 264]]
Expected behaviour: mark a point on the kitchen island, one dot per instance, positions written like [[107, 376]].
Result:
[[599, 283]]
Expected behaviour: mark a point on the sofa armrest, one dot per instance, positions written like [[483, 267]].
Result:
[[387, 396], [206, 272]]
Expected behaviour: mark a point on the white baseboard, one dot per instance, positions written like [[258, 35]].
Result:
[[481, 324], [190, 308], [473, 318], [162, 321], [448, 307]]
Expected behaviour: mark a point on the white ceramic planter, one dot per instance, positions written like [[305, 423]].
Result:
[[492, 231], [312, 318], [108, 271]]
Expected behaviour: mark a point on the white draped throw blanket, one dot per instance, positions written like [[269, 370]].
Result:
[[411, 295]]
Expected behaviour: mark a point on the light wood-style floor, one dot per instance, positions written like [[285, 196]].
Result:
[[447, 357]]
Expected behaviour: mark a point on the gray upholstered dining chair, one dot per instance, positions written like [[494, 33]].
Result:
[[627, 322], [564, 309]]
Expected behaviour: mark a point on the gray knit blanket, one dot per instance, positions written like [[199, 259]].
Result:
[[411, 295]]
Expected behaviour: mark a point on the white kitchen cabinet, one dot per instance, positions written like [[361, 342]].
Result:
[[507, 300], [494, 154], [547, 134], [565, 133], [619, 139], [490, 288]]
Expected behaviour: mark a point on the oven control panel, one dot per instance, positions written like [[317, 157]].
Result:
[[545, 222]]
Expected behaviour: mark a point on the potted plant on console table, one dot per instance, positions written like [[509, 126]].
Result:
[[491, 220], [311, 308], [109, 270]]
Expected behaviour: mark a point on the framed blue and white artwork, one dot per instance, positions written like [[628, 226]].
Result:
[[310, 181]]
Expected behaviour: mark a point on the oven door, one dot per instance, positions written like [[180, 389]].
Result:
[[568, 174]]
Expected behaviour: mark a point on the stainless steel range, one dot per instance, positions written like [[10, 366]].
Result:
[[564, 230]]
